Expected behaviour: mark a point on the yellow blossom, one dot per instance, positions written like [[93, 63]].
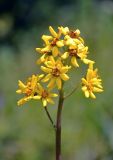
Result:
[[44, 95], [56, 72], [52, 44], [92, 83], [29, 89], [76, 51]]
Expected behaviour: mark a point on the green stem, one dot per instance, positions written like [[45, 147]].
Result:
[[58, 125], [68, 95], [49, 116]]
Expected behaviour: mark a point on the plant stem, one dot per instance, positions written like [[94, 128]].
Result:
[[68, 95], [58, 125], [49, 116]]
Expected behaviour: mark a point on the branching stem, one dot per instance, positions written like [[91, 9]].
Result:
[[49, 116], [69, 94]]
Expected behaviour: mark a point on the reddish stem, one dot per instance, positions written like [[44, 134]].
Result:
[[58, 126]]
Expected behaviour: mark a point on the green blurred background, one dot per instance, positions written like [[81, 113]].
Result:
[[87, 125]]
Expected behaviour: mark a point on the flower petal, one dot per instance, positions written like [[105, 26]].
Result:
[[59, 83], [51, 83], [49, 100], [52, 31], [45, 69], [46, 78], [86, 94], [65, 55], [55, 51], [53, 95], [37, 97], [92, 95], [60, 43], [95, 89], [64, 76], [74, 62], [44, 102]]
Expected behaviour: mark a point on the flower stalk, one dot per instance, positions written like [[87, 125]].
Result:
[[58, 125], [49, 117]]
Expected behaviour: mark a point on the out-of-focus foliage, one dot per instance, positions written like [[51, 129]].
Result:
[[87, 125]]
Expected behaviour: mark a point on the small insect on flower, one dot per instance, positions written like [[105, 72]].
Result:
[[44, 95], [56, 72], [92, 83], [29, 89]]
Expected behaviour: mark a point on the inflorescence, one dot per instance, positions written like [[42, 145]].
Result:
[[62, 51]]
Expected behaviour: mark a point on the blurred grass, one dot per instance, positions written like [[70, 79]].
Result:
[[87, 125]]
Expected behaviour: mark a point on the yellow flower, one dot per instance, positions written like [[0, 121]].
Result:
[[52, 44], [76, 51], [92, 83], [29, 89], [56, 72], [44, 95], [64, 30], [72, 33]]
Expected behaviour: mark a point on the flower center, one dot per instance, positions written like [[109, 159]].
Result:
[[28, 92], [73, 34], [44, 94], [90, 87], [53, 43], [73, 52], [55, 72]]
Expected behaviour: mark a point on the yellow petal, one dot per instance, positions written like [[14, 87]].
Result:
[[39, 50], [55, 51], [19, 91], [95, 89], [74, 62], [46, 39], [84, 88], [37, 97], [59, 83], [53, 95], [46, 78], [89, 74], [40, 88], [46, 49], [49, 64], [49, 100], [92, 95], [84, 81], [23, 100], [65, 55], [91, 63], [60, 43], [21, 84], [52, 31], [64, 76], [44, 101], [77, 32], [39, 61], [87, 94], [45, 69], [73, 46], [81, 39], [64, 30], [40, 76], [51, 83], [77, 41], [69, 42]]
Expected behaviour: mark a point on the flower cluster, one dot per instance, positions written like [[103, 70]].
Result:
[[61, 51]]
